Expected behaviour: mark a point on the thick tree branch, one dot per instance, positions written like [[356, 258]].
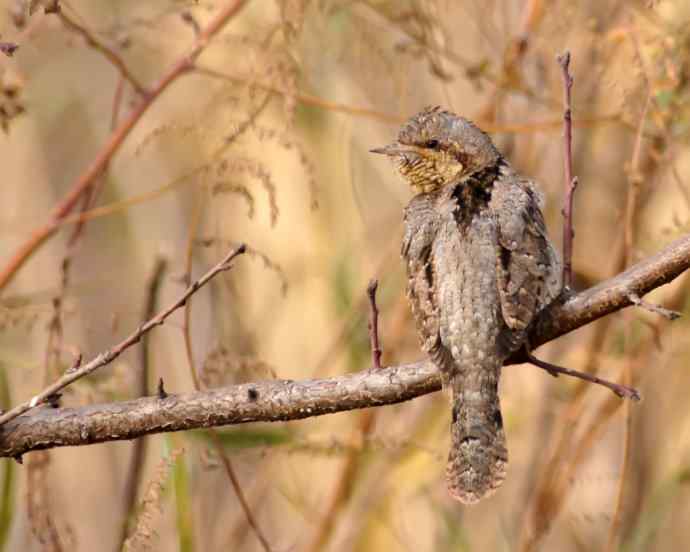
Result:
[[278, 400]]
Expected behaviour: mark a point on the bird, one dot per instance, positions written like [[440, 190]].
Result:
[[480, 269]]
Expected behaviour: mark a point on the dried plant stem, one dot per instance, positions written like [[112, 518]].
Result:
[[186, 324], [142, 533], [570, 180], [113, 143], [78, 372], [111, 55]]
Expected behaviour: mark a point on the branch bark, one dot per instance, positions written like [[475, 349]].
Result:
[[282, 400]]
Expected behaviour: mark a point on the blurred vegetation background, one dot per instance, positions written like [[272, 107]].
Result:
[[267, 141]]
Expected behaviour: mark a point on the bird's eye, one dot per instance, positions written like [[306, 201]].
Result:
[[432, 144]]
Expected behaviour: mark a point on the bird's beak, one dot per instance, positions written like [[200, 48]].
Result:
[[391, 149]]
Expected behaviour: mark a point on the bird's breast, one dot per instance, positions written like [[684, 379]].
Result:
[[465, 268]]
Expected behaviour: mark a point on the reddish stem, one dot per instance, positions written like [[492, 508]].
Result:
[[374, 325], [117, 137], [570, 180]]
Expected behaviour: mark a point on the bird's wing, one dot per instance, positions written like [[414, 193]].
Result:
[[421, 227], [528, 267]]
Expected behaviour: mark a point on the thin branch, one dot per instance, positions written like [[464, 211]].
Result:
[[275, 400], [78, 372], [623, 391], [187, 278], [374, 325], [181, 67], [651, 307], [570, 180], [111, 55]]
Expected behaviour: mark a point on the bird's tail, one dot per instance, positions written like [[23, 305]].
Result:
[[478, 456]]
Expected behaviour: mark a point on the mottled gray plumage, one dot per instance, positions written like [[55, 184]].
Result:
[[480, 268]]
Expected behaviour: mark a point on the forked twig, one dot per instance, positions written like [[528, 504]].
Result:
[[78, 372]]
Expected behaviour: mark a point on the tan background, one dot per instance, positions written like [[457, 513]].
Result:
[[340, 74]]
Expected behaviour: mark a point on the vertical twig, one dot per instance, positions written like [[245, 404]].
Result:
[[374, 325], [570, 180]]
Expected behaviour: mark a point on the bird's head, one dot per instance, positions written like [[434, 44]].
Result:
[[436, 148]]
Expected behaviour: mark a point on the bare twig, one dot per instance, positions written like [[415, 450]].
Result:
[[160, 389], [186, 323], [651, 307], [117, 103], [622, 391], [374, 325], [111, 354], [111, 55], [181, 67], [277, 400], [570, 180]]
